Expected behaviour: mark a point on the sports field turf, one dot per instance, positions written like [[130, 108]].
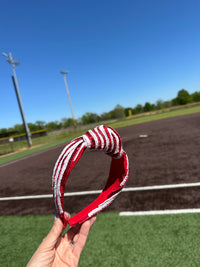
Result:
[[157, 240], [161, 240]]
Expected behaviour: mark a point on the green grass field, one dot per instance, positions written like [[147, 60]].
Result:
[[159, 240]]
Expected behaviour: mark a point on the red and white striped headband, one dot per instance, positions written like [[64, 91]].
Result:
[[101, 138]]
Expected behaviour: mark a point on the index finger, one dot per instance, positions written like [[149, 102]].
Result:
[[83, 234]]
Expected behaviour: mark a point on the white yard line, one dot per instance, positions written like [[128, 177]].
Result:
[[160, 187], [94, 192], [51, 195], [158, 212]]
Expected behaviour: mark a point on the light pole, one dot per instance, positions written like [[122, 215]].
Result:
[[14, 62], [70, 103]]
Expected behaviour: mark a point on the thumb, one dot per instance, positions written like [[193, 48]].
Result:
[[55, 232]]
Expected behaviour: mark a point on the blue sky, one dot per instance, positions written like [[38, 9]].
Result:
[[116, 52]]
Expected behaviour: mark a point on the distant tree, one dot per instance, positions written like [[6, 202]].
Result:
[[33, 127], [40, 124], [19, 128], [167, 104], [10, 129], [53, 125], [3, 131], [138, 108], [128, 111], [175, 102], [67, 122], [105, 116], [195, 96], [148, 107], [79, 121], [133, 111], [159, 104], [183, 97], [90, 118], [117, 112]]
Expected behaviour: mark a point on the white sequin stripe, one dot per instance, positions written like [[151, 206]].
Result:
[[57, 188], [63, 151], [112, 141], [100, 136], [58, 178], [103, 205], [79, 151], [57, 166], [126, 177], [96, 141], [87, 140], [105, 134], [121, 152], [58, 193], [63, 165], [117, 142]]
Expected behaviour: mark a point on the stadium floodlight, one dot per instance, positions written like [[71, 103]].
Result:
[[64, 72], [70, 103], [4, 54], [14, 62]]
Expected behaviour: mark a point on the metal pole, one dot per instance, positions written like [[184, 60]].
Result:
[[22, 111], [65, 80], [13, 62]]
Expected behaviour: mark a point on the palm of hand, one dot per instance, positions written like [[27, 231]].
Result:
[[56, 250]]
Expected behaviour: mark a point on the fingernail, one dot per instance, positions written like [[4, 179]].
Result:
[[67, 215], [56, 216]]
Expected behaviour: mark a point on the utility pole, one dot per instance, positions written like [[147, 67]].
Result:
[[70, 103], [14, 62]]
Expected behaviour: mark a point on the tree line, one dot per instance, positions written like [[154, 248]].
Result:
[[183, 97]]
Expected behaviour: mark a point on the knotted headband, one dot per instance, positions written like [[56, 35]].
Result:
[[101, 138]]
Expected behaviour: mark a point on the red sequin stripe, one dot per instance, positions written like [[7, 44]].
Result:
[[110, 141], [91, 139], [61, 162], [58, 163], [67, 147], [103, 136], [62, 187], [98, 146], [70, 165], [120, 143], [126, 167], [117, 141], [115, 146], [65, 154]]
